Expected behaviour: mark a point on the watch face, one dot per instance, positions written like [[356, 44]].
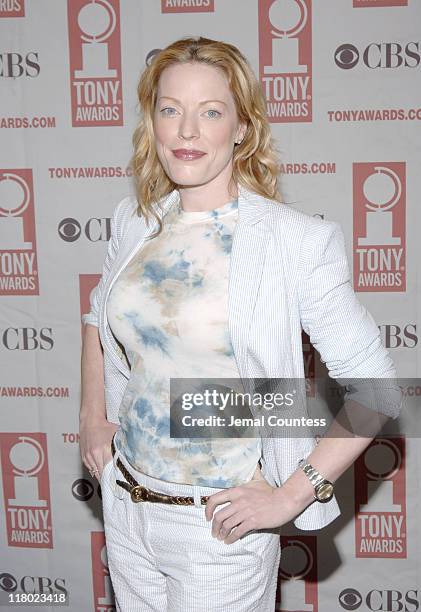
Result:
[[324, 491]]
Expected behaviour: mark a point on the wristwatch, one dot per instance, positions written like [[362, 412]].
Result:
[[323, 488]]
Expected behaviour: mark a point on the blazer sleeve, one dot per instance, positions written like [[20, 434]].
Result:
[[340, 328], [95, 298]]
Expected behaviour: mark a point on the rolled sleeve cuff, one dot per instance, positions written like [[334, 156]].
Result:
[[378, 395], [90, 318]]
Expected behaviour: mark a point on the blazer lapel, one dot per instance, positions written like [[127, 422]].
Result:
[[131, 242], [138, 231], [249, 248]]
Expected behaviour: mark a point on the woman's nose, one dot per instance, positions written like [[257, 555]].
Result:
[[188, 127]]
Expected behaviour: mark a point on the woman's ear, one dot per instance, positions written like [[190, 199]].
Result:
[[241, 132]]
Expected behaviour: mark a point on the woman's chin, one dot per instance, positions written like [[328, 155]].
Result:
[[183, 181]]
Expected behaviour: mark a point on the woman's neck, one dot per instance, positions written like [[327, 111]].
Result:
[[206, 197]]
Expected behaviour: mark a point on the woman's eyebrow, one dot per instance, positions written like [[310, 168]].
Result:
[[200, 103]]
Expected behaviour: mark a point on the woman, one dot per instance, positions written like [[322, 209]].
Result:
[[184, 295]]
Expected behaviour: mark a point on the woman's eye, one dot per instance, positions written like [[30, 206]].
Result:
[[214, 111], [165, 109]]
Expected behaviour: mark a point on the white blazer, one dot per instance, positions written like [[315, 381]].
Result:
[[288, 272]]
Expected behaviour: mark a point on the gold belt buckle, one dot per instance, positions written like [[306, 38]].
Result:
[[138, 494]]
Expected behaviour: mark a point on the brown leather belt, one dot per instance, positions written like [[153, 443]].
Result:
[[139, 493]]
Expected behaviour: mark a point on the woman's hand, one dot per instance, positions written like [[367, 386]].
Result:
[[254, 505], [95, 437]]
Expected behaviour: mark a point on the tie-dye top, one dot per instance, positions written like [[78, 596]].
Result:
[[169, 309]]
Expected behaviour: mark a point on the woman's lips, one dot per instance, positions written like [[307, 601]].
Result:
[[187, 155]]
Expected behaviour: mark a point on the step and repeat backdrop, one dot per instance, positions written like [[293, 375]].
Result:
[[343, 89]]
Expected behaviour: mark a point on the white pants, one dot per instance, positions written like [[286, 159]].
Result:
[[163, 558]]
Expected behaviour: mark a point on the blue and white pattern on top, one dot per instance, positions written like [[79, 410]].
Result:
[[169, 309]]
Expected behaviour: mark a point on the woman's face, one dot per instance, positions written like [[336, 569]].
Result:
[[195, 110]]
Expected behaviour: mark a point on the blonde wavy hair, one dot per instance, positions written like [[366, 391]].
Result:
[[255, 160]]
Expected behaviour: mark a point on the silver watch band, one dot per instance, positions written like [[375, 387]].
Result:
[[314, 476]]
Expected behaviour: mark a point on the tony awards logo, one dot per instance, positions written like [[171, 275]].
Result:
[[297, 589], [285, 58], [97, 22], [26, 490], [379, 222], [95, 61], [380, 500], [18, 265], [15, 200], [103, 591], [27, 458], [288, 19], [382, 191]]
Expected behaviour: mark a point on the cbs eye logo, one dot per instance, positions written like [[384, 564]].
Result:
[[346, 56], [69, 229], [8, 582], [83, 490], [350, 599]]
